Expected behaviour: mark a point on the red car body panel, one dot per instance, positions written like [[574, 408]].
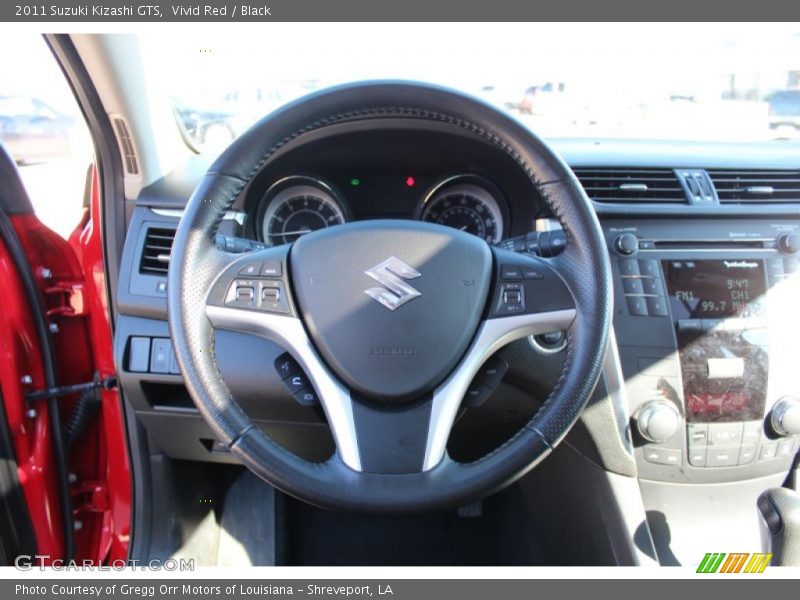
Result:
[[76, 300]]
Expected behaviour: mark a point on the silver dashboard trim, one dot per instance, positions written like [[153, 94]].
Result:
[[177, 213]]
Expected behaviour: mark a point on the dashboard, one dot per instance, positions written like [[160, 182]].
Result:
[[699, 395], [693, 259]]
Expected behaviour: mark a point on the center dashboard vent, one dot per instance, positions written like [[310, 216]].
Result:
[[631, 185], [756, 186], [156, 250]]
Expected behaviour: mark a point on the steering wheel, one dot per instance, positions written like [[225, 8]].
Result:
[[390, 320]]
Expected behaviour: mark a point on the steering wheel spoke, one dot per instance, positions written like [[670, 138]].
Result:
[[266, 309], [529, 298]]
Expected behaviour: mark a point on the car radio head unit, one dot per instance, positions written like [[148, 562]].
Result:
[[715, 289]]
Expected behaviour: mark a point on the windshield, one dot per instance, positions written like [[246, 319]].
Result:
[[733, 82]]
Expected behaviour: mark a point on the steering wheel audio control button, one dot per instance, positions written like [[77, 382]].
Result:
[[260, 294], [286, 366], [251, 269], [307, 397], [273, 297], [245, 293], [272, 268], [242, 293], [297, 382], [270, 294]]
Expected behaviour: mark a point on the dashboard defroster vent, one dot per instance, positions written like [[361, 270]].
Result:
[[156, 250], [756, 186], [126, 146], [631, 185]]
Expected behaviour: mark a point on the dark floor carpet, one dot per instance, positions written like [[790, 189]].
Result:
[[500, 536]]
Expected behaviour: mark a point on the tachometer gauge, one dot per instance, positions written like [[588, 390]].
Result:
[[298, 205], [466, 203]]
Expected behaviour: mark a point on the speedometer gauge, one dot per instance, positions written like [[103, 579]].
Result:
[[295, 206], [466, 203]]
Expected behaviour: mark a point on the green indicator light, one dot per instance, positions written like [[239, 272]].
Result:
[[355, 182]]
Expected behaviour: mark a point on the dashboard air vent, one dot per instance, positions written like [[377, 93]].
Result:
[[156, 250], [751, 186], [632, 185]]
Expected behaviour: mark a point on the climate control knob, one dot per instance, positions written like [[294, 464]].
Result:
[[658, 421], [785, 417], [626, 244], [789, 243]]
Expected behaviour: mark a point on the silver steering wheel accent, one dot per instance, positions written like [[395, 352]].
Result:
[[289, 332]]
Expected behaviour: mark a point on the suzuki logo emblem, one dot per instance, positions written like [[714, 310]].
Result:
[[390, 274]]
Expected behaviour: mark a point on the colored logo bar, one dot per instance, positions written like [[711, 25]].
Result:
[[736, 562]]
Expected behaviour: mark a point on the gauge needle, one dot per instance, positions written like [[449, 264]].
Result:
[[298, 232], [464, 228]]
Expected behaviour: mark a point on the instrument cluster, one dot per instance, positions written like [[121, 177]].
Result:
[[299, 204]]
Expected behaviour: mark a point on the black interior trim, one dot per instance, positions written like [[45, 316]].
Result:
[[17, 536]]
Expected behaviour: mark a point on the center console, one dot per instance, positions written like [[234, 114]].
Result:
[[706, 319]]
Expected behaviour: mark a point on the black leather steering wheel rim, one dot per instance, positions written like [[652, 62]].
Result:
[[196, 263]]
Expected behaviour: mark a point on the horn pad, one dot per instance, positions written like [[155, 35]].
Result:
[[391, 306]]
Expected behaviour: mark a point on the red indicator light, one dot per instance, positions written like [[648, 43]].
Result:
[[410, 181]]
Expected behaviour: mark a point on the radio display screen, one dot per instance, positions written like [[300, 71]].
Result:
[[724, 370], [715, 289]]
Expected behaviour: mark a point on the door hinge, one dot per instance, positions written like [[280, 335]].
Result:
[[90, 496], [66, 299]]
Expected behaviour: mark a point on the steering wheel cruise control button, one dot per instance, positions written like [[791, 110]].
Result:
[[531, 273], [510, 272], [512, 299], [492, 371], [477, 393]]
